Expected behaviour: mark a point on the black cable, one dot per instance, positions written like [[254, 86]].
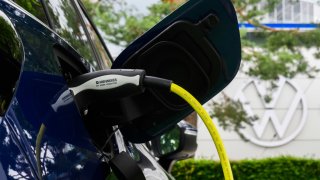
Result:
[[109, 138]]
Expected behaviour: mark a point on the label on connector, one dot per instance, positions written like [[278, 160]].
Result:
[[106, 82]]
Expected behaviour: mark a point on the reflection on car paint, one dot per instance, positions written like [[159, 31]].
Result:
[[151, 168], [11, 55], [67, 24], [12, 154]]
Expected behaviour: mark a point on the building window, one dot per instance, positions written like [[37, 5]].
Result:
[[279, 12], [310, 13], [289, 11], [296, 12]]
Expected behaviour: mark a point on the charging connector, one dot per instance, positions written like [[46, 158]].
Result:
[[96, 89], [109, 82]]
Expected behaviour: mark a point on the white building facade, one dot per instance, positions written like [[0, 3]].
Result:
[[289, 124], [295, 11]]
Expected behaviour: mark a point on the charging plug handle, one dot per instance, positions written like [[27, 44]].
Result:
[[108, 81], [100, 88]]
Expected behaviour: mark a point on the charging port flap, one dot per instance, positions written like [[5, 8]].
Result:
[[198, 47]]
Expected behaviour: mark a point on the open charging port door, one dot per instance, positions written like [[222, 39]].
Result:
[[198, 47]]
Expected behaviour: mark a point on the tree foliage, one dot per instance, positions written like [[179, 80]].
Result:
[[230, 114], [122, 23]]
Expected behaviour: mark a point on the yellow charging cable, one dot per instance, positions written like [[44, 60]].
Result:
[[209, 124], [38, 148]]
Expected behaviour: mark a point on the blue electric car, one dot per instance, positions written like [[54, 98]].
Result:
[[45, 44]]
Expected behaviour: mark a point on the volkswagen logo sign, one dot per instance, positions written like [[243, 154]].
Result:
[[281, 119]]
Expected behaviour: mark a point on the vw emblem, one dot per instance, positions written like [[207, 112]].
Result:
[[281, 119]]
